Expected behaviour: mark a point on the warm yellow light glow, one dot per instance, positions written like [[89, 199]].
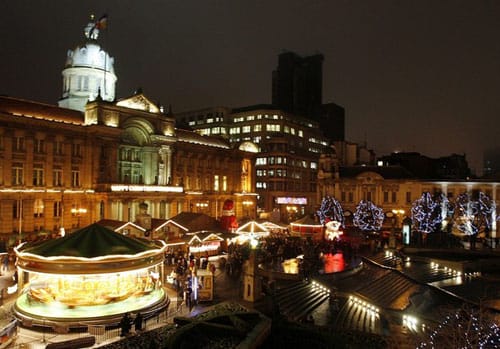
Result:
[[146, 188]]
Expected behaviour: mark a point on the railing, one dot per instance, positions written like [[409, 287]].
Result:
[[103, 334]]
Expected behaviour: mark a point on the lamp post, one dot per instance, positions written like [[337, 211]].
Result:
[[392, 238], [247, 204], [202, 206], [78, 212]]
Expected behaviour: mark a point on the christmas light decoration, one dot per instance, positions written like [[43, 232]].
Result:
[[330, 210], [473, 216], [368, 216], [465, 328], [426, 213]]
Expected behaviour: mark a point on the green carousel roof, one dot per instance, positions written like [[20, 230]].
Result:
[[90, 242]]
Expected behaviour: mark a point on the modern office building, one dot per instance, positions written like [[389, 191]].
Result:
[[61, 168], [288, 152]]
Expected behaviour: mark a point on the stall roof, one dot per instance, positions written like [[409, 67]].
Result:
[[193, 222], [307, 221]]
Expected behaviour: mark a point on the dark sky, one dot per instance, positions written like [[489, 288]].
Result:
[[412, 75]]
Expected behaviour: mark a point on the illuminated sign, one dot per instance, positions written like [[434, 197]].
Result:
[[286, 200], [149, 188]]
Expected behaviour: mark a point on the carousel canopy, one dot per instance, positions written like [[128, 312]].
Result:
[[90, 242]]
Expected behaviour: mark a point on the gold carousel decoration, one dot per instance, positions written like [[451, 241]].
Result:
[[92, 273]]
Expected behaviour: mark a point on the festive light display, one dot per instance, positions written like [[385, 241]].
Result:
[[466, 328], [368, 216], [474, 215], [426, 213], [330, 210]]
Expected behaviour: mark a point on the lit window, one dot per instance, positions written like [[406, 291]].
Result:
[[58, 148], [216, 183], [260, 161], [314, 165], [224, 183], [76, 150], [273, 128], [57, 177], [234, 131], [57, 209], [18, 144], [250, 117], [301, 133], [38, 175], [257, 128], [39, 146], [17, 174], [246, 129], [75, 178], [38, 208]]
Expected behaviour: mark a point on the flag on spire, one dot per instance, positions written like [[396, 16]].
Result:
[[102, 22]]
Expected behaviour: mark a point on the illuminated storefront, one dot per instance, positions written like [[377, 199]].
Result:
[[93, 275]]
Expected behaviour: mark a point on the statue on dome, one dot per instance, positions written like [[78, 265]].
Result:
[[94, 26]]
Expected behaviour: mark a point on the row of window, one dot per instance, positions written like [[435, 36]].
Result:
[[39, 175], [296, 186], [216, 183], [268, 128], [389, 197], [281, 160], [18, 209], [40, 146], [257, 117]]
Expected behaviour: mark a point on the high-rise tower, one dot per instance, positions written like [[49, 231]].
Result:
[[88, 71], [298, 84]]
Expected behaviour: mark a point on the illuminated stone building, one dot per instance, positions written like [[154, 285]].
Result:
[[391, 187], [61, 168]]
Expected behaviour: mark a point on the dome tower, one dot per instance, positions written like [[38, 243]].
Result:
[[88, 71]]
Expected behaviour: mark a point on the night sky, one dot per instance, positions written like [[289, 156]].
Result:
[[418, 76]]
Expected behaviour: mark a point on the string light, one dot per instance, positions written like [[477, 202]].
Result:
[[368, 216]]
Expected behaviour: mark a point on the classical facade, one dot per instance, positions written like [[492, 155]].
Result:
[[392, 188], [61, 168]]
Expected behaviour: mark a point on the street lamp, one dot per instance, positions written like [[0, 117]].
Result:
[[392, 238], [247, 204], [78, 212], [201, 206]]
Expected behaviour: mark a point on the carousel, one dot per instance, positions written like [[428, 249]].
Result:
[[91, 276]]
